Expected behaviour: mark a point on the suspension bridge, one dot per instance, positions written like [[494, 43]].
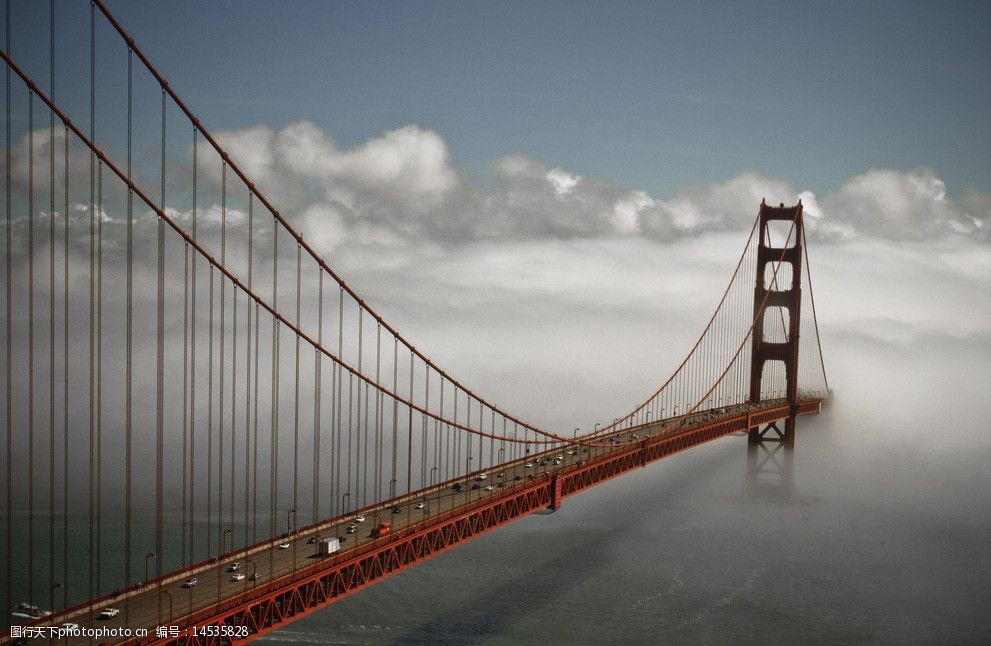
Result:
[[209, 434]]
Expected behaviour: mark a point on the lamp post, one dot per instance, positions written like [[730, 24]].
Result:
[[344, 500], [596, 429], [433, 471], [148, 557], [55, 586], [501, 454], [392, 488], [254, 570], [575, 434], [291, 514], [227, 532]]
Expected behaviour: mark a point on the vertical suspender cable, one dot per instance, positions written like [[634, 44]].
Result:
[[295, 423], [409, 434], [192, 370], [129, 340], [378, 412], [247, 387], [8, 582], [30, 346], [65, 371], [160, 379], [442, 440], [209, 420], [812, 300], [335, 406], [222, 358], [274, 442], [349, 490], [423, 425], [185, 400], [338, 386], [254, 433], [51, 314], [395, 414], [366, 461], [231, 512], [251, 399], [98, 514], [359, 489], [317, 373]]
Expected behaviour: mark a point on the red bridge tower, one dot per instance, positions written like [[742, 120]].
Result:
[[768, 293]]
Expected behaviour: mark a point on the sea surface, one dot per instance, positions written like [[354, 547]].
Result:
[[865, 533]]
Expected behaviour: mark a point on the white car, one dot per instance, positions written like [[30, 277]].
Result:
[[352, 528], [284, 546], [234, 567], [190, 582], [419, 505], [237, 577], [481, 476], [70, 626], [109, 613], [528, 465], [359, 519], [489, 488]]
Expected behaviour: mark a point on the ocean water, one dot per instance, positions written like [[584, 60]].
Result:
[[875, 529]]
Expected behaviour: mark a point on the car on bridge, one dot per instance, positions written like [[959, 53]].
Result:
[[237, 576], [352, 528], [234, 567], [359, 519], [108, 613], [190, 582], [284, 545]]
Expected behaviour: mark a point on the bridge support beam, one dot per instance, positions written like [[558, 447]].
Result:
[[768, 294]]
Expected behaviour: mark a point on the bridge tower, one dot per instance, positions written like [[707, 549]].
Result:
[[767, 297]]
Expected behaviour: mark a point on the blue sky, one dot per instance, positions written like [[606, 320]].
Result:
[[652, 96]]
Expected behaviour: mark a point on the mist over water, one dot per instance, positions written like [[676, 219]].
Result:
[[879, 535]]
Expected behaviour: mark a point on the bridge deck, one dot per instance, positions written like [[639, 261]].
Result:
[[287, 576]]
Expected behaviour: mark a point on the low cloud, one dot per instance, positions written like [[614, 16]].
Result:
[[401, 188]]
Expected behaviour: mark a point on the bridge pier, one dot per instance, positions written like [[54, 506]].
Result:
[[770, 473]]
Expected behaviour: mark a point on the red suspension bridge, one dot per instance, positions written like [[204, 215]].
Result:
[[183, 370]]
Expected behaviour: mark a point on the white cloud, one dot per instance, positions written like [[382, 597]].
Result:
[[400, 188]]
